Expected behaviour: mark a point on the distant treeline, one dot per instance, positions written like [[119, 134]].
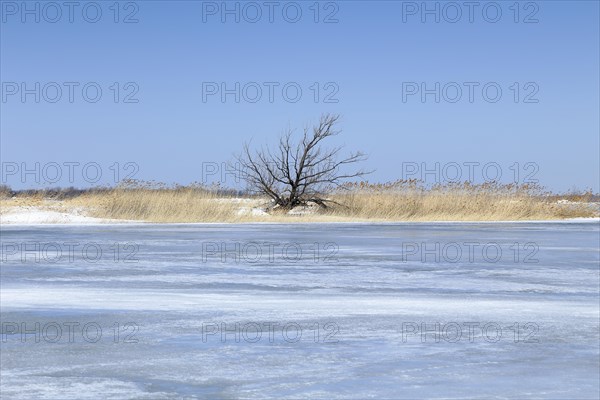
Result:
[[73, 192]]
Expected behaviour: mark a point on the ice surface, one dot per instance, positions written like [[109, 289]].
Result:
[[356, 302]]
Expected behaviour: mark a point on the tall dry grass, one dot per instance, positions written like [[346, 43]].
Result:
[[411, 201], [157, 203], [395, 201]]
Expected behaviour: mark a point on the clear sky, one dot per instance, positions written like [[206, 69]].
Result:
[[380, 64]]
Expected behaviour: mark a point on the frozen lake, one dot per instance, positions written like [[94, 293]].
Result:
[[494, 310]]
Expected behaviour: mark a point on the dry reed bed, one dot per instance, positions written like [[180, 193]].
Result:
[[396, 201], [411, 201], [182, 205]]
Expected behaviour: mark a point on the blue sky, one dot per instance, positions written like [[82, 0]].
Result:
[[368, 59]]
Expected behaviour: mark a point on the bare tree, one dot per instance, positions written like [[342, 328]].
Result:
[[294, 174]]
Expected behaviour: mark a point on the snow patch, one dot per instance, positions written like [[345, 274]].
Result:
[[33, 215]]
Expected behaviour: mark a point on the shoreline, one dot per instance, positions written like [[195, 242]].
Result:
[[39, 216]]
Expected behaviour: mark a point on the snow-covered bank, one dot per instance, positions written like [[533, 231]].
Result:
[[36, 215]]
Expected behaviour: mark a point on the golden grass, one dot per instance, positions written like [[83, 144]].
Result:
[[161, 205], [455, 204], [396, 201], [182, 205]]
